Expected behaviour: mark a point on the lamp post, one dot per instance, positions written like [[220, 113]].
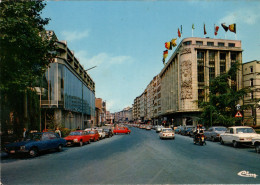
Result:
[[82, 113]]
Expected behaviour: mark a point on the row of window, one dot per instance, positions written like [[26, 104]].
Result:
[[220, 44]]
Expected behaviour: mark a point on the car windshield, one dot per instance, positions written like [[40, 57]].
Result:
[[75, 133], [221, 129], [34, 136], [106, 130], [167, 130], [245, 130], [91, 132]]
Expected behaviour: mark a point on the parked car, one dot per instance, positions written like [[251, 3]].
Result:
[[108, 132], [166, 133], [256, 144], [159, 128], [178, 130], [78, 137], [35, 143], [122, 130], [237, 135], [148, 127], [213, 133], [101, 133], [94, 136]]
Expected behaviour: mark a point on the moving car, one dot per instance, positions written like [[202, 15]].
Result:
[[187, 130], [213, 133], [237, 135], [35, 143], [122, 130], [78, 137], [256, 143], [166, 133], [94, 136]]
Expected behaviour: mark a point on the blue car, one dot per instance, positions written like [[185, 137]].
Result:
[[35, 143]]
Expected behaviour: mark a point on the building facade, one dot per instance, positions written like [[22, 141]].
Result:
[[67, 92], [251, 80], [187, 72]]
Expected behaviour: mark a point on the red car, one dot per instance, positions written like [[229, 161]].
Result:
[[78, 137], [122, 130], [94, 136]]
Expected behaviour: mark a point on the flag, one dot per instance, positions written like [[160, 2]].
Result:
[[179, 33], [216, 29], [224, 27], [168, 45], [193, 26], [165, 54], [181, 29], [205, 30], [173, 42], [163, 60], [232, 28]]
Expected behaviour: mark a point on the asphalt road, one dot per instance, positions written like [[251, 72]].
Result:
[[138, 158]]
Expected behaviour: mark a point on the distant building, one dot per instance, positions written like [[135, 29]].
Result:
[[251, 80], [67, 92], [100, 118]]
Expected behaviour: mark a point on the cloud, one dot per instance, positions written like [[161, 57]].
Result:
[[101, 59], [74, 35], [244, 15]]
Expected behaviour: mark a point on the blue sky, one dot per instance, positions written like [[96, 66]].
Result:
[[125, 39]]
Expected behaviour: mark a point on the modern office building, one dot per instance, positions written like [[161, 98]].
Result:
[[251, 80], [187, 72], [67, 92], [157, 100]]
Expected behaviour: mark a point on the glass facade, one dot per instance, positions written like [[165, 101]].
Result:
[[65, 90]]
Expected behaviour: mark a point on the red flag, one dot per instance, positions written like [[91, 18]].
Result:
[[179, 33], [216, 30], [205, 30]]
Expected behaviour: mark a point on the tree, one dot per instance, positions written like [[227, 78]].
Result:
[[223, 98], [26, 51]]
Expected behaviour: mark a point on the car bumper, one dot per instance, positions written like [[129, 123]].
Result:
[[167, 137], [16, 151]]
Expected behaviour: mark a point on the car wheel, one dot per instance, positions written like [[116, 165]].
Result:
[[235, 144], [257, 148], [33, 152], [88, 141], [221, 141], [80, 143], [59, 149]]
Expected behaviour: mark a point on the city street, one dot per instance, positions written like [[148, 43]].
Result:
[[138, 158]]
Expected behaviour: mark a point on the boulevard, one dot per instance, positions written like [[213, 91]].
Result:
[[138, 158]]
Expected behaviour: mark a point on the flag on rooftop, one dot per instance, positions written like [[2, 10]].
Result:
[[179, 33], [216, 29], [168, 45], [173, 42], [205, 32], [193, 26], [224, 27], [232, 28]]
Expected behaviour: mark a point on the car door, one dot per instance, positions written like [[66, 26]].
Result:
[[227, 137], [44, 141], [53, 141]]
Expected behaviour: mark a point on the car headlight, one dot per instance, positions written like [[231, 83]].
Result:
[[75, 140], [22, 147]]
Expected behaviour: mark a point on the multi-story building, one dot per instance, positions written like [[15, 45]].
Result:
[[143, 106], [189, 69], [67, 92], [100, 118], [251, 80], [109, 118], [149, 102], [157, 99]]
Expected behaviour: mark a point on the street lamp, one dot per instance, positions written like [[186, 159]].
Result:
[[82, 114]]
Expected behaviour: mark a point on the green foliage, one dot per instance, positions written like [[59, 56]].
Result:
[[223, 98], [26, 51]]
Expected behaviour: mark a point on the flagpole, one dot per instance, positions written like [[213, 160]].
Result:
[[192, 32]]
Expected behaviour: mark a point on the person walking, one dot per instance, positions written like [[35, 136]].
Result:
[[25, 133]]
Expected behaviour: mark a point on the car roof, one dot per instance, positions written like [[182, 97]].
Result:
[[240, 127]]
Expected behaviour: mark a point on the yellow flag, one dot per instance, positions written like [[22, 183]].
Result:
[[174, 42]]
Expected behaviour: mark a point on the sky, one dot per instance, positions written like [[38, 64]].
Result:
[[125, 39]]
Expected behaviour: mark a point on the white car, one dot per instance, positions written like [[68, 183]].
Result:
[[237, 135], [256, 143], [101, 133], [167, 133], [159, 128]]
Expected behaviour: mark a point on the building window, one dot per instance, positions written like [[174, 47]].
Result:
[[251, 82], [200, 67], [211, 64], [199, 43], [200, 95], [231, 44], [210, 43], [222, 58], [251, 69], [233, 57], [187, 43], [221, 44], [252, 95]]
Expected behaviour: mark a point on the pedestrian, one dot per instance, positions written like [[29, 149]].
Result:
[[78, 128], [57, 131], [25, 133]]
